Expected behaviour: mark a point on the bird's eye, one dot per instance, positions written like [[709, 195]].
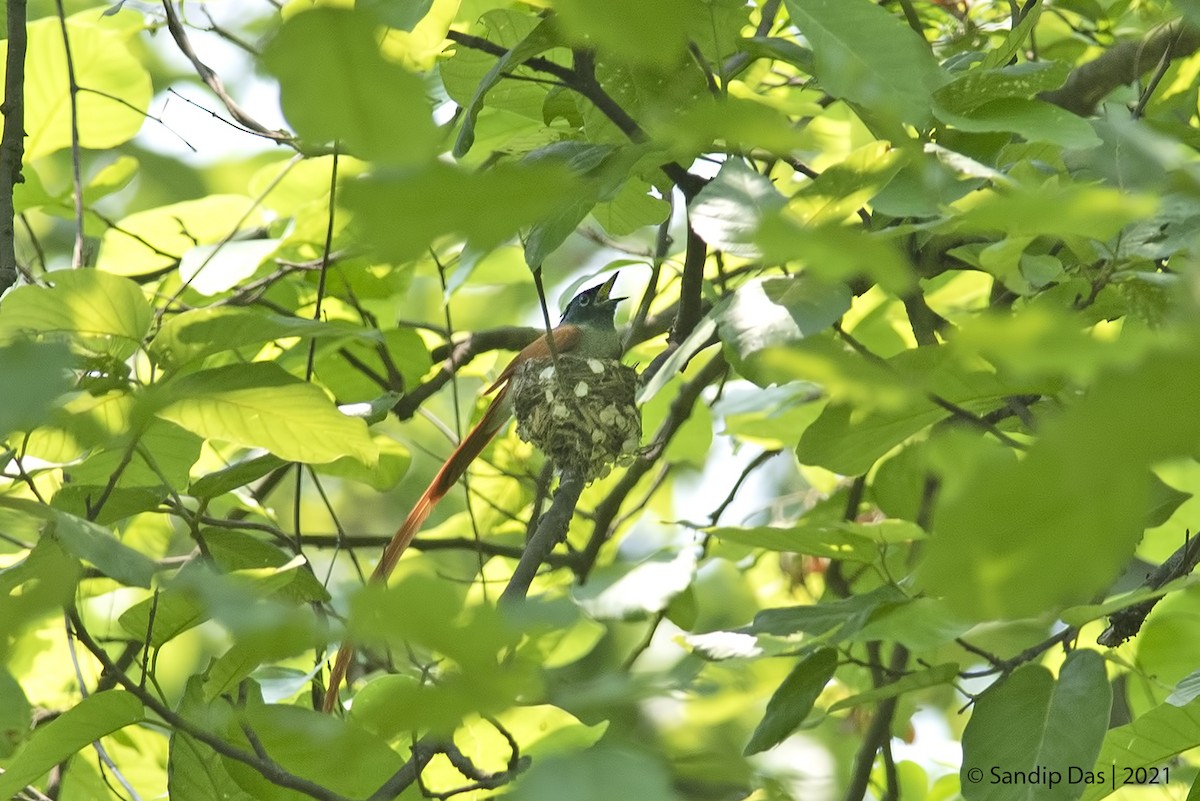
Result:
[[586, 300]]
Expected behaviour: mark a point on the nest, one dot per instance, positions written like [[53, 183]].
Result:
[[579, 412]]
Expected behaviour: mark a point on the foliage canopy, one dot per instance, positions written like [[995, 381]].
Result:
[[913, 290]]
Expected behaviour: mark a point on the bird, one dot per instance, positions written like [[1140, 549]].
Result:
[[587, 331]]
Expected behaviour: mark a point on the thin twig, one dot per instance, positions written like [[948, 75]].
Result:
[[101, 751], [179, 34], [267, 768], [76, 156]]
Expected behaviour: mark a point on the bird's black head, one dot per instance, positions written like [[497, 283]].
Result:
[[593, 306]]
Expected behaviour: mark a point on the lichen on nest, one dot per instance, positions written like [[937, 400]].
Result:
[[579, 412]]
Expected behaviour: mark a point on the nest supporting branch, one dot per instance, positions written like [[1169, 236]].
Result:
[[551, 529]]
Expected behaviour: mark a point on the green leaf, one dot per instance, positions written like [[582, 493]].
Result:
[[1029, 721], [314, 746], [259, 405], [402, 212], [835, 252], [1149, 741], [843, 188], [1163, 501], [653, 34], [95, 312], [94, 717], [541, 38], [155, 240], [104, 63], [1186, 691], [1002, 537], [633, 207], [16, 715], [1054, 209], [255, 603], [235, 475], [601, 170], [393, 462], [848, 614], [195, 772], [236, 550], [137, 484], [330, 70], [1034, 120], [791, 703], [770, 313], [35, 587], [921, 624], [831, 539], [981, 86], [729, 210], [865, 55], [197, 333], [402, 16], [88, 541], [111, 178], [849, 438], [780, 49], [739, 124], [597, 774], [929, 677], [36, 374], [1015, 40]]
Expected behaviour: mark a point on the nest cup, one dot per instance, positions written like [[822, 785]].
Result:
[[579, 412]]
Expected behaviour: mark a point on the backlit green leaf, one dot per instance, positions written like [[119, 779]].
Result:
[[95, 312], [260, 406], [198, 333], [36, 374], [401, 212], [651, 33], [104, 63], [156, 239], [330, 71]]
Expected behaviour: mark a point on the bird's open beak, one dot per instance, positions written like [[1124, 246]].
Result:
[[602, 296]]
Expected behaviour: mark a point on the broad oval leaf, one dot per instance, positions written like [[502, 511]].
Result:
[[773, 312], [197, 333], [110, 114], [1029, 721], [95, 312], [863, 54], [260, 405], [330, 73]]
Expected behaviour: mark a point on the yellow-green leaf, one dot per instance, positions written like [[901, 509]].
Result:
[[260, 405]]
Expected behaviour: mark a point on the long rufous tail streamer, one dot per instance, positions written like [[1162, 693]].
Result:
[[586, 330], [458, 462]]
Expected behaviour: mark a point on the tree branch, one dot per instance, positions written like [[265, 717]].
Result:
[[213, 81], [267, 768], [12, 142], [1121, 64], [550, 531]]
